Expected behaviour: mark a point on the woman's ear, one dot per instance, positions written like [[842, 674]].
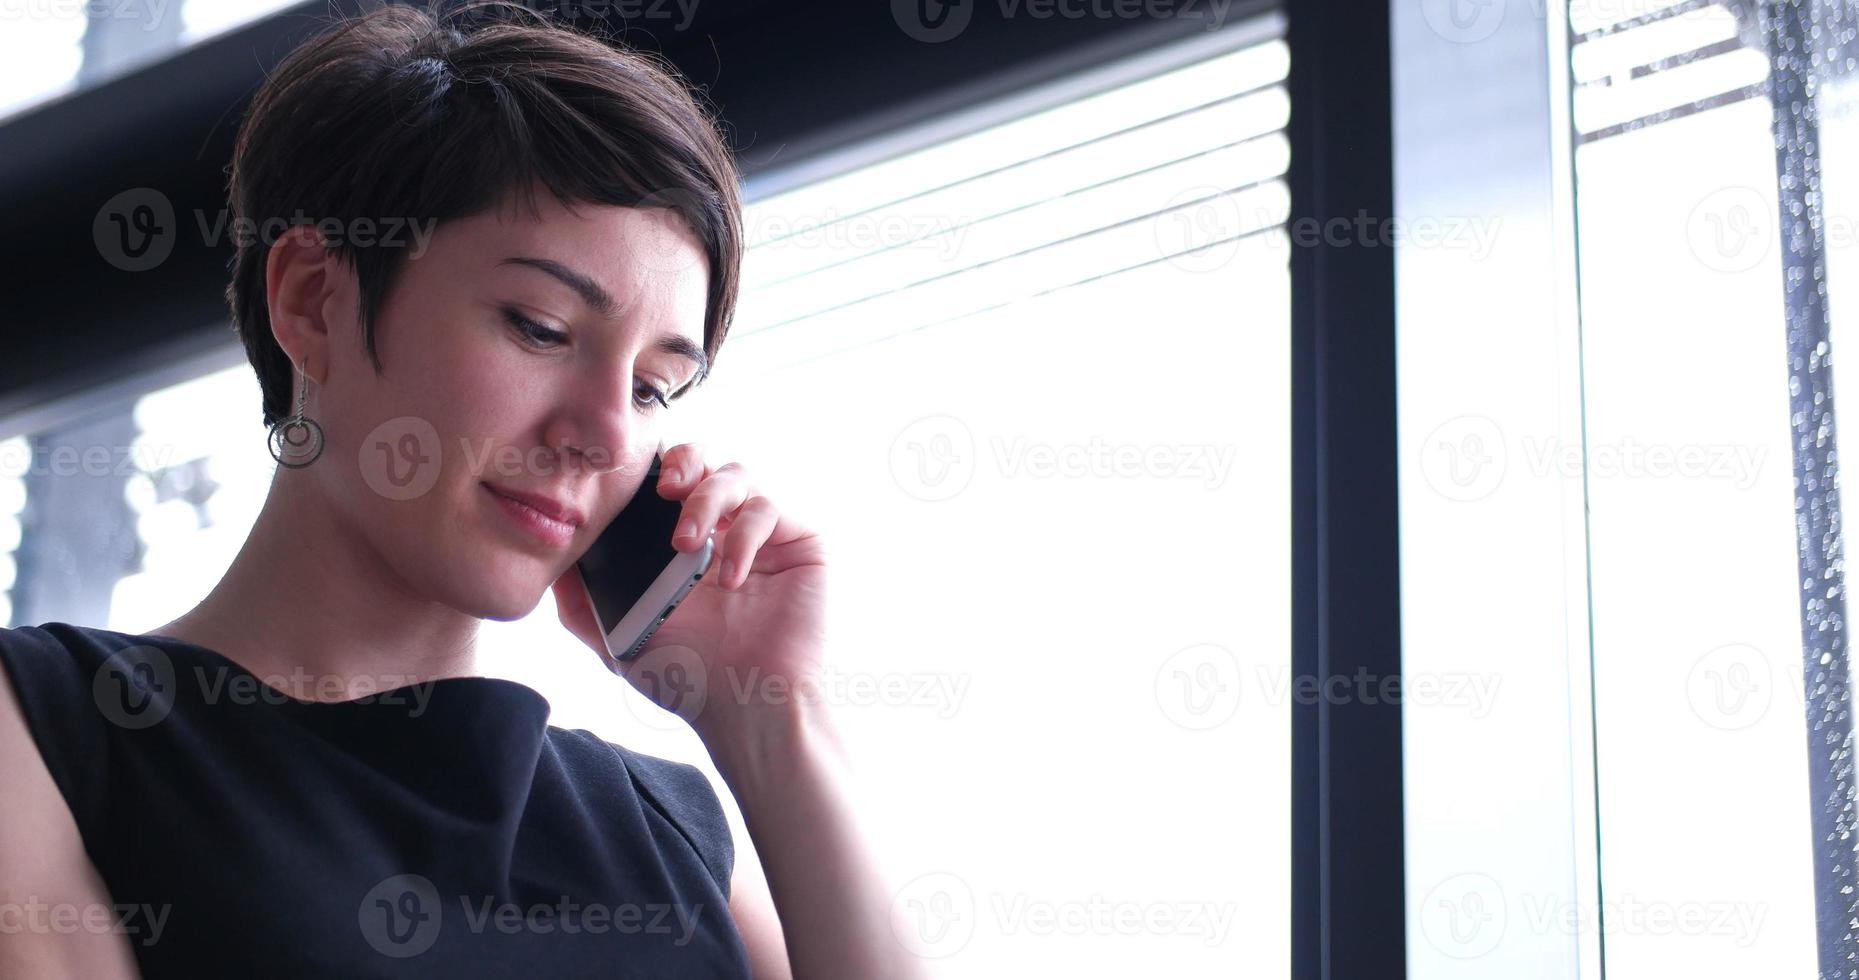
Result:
[[302, 279]]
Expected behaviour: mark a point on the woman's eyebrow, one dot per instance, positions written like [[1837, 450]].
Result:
[[603, 303], [591, 292], [678, 343]]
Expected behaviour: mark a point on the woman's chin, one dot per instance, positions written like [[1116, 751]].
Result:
[[504, 612], [504, 600], [497, 583]]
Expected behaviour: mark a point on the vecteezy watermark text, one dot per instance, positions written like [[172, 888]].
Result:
[[934, 21], [138, 686], [1468, 915], [1202, 686], [136, 230], [402, 916], [18, 458], [387, 232], [935, 915], [144, 922]]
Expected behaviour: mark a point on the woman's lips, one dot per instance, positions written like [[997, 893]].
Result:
[[538, 525]]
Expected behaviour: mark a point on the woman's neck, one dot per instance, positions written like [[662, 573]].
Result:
[[312, 607]]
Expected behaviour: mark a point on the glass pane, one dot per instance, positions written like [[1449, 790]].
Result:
[[1702, 769], [1021, 378], [50, 48]]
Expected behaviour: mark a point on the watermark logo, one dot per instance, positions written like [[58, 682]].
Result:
[[936, 915], [1463, 21], [675, 679], [827, 232], [933, 458], [400, 458], [400, 917], [1468, 915], [1731, 229], [135, 231], [932, 21], [1730, 687], [1201, 687], [1203, 228], [1466, 459], [1097, 459], [661, 246], [933, 915], [1463, 459], [1199, 230], [1465, 916], [1098, 916], [1198, 687], [135, 687], [1476, 234], [940, 692], [1469, 21]]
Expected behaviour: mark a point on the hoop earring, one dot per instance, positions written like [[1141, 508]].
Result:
[[297, 441]]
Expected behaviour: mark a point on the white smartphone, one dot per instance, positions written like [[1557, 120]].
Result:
[[633, 575]]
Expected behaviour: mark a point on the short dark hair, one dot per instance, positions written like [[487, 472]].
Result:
[[413, 114]]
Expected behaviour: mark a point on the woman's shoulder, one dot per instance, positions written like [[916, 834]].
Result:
[[69, 678], [586, 744], [57, 654], [64, 681], [55, 669], [679, 787], [62, 643], [680, 792]]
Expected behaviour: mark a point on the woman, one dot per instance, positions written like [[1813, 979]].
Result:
[[303, 775]]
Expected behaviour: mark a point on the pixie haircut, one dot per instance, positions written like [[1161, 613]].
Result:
[[406, 114]]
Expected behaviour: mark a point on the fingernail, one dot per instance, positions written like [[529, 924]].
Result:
[[686, 529], [728, 574]]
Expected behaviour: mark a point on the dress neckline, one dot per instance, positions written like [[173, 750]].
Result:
[[385, 696]]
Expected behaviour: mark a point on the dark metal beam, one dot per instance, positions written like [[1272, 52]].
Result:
[[1348, 911]]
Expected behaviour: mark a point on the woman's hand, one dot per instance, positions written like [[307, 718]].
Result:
[[745, 644], [749, 635]]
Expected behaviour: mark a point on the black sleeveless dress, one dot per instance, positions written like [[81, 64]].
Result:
[[438, 830]]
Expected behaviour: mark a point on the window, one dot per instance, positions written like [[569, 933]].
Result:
[[50, 48], [1697, 641], [1618, 455], [1024, 377]]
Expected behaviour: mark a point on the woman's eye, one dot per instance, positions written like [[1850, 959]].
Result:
[[532, 331], [647, 396]]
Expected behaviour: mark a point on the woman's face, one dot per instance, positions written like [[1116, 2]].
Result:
[[520, 352]]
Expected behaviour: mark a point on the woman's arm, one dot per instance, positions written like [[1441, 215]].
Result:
[[787, 770], [753, 909], [51, 897], [761, 619]]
